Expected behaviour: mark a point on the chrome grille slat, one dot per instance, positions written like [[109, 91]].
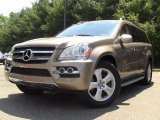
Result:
[[36, 58], [17, 57], [39, 54], [18, 52], [35, 51], [33, 58]]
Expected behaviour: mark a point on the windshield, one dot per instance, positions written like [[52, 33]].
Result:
[[94, 28]]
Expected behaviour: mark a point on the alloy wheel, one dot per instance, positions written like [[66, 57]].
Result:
[[102, 85]]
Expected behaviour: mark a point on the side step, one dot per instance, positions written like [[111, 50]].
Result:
[[130, 81]]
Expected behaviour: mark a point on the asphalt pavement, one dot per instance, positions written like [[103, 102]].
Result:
[[135, 102]]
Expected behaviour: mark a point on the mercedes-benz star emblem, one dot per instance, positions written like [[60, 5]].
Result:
[[27, 55]]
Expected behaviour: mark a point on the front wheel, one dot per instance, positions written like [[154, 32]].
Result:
[[104, 86], [29, 90]]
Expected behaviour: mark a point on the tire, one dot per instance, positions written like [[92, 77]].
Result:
[[148, 74], [104, 86], [29, 90]]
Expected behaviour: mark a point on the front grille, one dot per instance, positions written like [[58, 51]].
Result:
[[31, 72], [39, 54]]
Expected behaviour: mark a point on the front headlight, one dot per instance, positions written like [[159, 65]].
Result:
[[80, 51]]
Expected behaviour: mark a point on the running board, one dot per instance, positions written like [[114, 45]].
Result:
[[128, 82]]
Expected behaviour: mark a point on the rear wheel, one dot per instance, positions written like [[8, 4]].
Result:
[[104, 86], [148, 74], [29, 90]]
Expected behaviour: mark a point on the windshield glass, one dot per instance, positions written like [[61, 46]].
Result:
[[94, 28]]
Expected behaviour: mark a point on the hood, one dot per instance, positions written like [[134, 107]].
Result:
[[61, 42]]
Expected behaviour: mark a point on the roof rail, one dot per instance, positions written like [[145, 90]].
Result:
[[123, 18]]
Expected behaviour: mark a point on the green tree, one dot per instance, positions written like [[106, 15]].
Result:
[[3, 19]]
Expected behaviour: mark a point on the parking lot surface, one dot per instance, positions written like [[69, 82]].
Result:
[[135, 102]]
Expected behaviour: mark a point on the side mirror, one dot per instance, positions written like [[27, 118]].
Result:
[[126, 38]]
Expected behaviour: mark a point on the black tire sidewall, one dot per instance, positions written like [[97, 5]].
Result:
[[146, 81]]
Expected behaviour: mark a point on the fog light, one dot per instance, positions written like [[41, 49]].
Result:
[[70, 70], [61, 70]]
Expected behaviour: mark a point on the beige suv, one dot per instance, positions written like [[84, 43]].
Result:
[[96, 57]]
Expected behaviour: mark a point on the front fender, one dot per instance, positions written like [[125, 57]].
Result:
[[98, 53]]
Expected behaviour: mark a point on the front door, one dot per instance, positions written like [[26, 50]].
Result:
[[125, 55]]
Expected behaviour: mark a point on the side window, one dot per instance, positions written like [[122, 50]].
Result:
[[138, 35], [124, 30], [145, 37]]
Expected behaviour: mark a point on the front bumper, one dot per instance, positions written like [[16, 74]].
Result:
[[80, 82]]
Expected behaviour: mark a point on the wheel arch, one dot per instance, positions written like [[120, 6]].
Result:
[[149, 57], [108, 56]]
